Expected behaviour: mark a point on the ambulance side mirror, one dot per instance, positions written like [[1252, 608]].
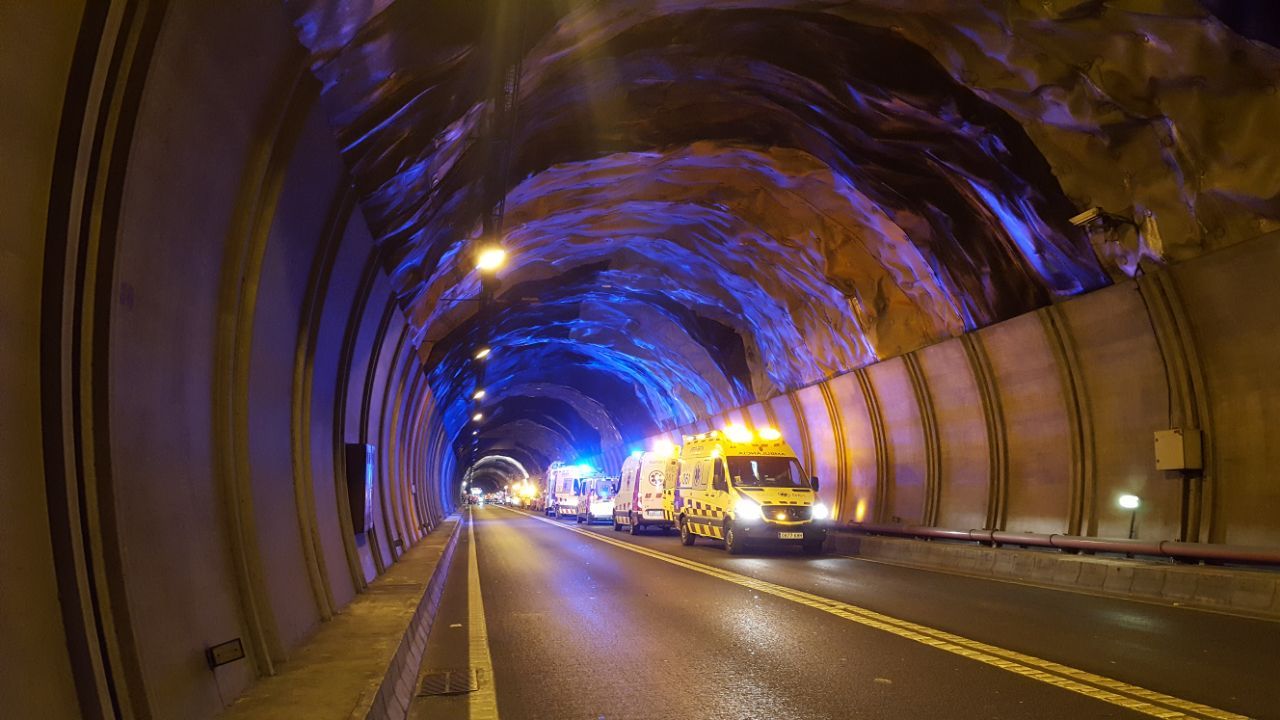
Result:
[[813, 483]]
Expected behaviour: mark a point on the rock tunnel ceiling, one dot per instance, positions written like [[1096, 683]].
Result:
[[710, 203]]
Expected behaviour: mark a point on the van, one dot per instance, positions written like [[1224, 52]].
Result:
[[563, 481], [640, 490], [595, 499], [746, 487]]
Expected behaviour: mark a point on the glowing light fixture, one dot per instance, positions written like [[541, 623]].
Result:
[[478, 417], [475, 432], [820, 511], [479, 395], [1129, 502], [491, 258], [770, 434], [739, 434], [482, 353], [664, 448], [637, 453]]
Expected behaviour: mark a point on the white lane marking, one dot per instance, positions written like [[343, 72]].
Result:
[[483, 703]]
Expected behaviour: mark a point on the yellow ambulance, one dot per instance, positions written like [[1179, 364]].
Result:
[[745, 487]]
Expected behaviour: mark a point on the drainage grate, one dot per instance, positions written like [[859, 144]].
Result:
[[450, 682]]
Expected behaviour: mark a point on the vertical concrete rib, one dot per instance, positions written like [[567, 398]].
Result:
[[366, 408], [112, 58], [993, 419], [1082, 510], [342, 390], [1189, 395], [932, 446], [311, 314], [843, 477], [246, 244], [802, 426], [884, 467], [391, 439]]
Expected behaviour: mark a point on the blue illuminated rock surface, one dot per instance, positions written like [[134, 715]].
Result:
[[708, 203]]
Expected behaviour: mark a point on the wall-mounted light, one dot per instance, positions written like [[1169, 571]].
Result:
[[1131, 503], [482, 353]]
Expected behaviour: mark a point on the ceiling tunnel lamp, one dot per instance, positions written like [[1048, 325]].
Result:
[[482, 353], [475, 432], [491, 258], [479, 395], [478, 417]]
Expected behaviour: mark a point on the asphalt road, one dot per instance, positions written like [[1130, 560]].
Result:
[[606, 625]]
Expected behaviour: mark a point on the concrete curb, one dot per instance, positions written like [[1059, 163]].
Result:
[[396, 690], [1250, 593]]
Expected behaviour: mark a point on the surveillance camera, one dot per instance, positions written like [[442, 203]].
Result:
[[1088, 216]]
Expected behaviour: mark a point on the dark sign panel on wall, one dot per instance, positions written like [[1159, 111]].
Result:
[[360, 485]]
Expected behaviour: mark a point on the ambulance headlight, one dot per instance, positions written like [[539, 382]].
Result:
[[821, 511], [746, 509]]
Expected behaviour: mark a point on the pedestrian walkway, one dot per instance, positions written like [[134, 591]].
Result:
[[363, 662]]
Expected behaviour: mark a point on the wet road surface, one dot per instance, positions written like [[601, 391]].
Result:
[[598, 624]]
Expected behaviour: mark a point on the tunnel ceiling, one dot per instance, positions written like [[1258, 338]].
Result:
[[709, 203]]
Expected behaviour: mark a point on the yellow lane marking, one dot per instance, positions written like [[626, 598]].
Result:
[[1098, 687], [483, 703]]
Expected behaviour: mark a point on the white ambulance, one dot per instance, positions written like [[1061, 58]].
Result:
[[744, 487], [563, 484], [639, 501], [595, 499]]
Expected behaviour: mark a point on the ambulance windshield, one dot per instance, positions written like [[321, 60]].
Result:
[[779, 472]]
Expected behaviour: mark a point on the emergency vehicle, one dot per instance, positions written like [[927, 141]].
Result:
[[595, 499], [640, 491], [563, 481], [744, 487]]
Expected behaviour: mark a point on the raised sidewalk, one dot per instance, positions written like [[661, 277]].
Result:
[[364, 662]]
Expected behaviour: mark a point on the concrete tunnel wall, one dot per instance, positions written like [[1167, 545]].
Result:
[[194, 323], [1038, 424]]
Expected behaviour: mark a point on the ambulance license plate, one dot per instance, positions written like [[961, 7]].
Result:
[[653, 513], [790, 535]]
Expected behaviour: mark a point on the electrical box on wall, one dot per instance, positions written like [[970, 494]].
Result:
[[1178, 449]]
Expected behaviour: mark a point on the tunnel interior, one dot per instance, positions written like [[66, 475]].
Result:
[[241, 311], [710, 206]]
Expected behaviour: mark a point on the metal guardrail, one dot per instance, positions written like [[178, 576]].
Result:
[[1209, 552]]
